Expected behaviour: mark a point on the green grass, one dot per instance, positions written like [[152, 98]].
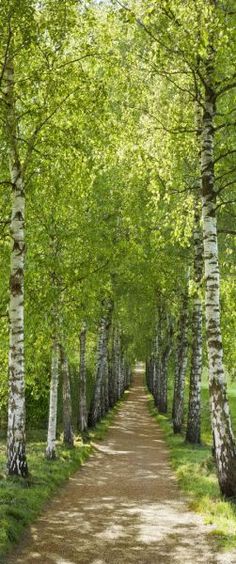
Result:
[[21, 501], [195, 470]]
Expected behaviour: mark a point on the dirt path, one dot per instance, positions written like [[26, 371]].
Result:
[[123, 506]]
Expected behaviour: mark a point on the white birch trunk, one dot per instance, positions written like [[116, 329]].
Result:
[[111, 379], [104, 390], [16, 456], [167, 350], [83, 415], [157, 361], [96, 407], [68, 435], [182, 360], [150, 374], [122, 374], [176, 375], [193, 432], [52, 420], [116, 363], [224, 442]]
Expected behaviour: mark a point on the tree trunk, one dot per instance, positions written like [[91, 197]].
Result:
[[162, 403], [68, 435], [157, 362], [96, 407], [106, 387], [150, 374], [127, 375], [52, 420], [193, 432], [83, 415], [176, 376], [225, 452], [111, 378], [105, 383], [182, 359], [122, 375], [116, 363], [16, 455]]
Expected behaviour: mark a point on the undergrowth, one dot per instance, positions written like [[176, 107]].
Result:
[[196, 473], [22, 500]]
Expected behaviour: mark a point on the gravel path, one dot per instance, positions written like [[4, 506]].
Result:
[[123, 506]]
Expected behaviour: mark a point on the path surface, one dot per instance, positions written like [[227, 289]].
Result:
[[123, 506]]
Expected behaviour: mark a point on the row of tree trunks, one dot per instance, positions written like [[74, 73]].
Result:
[[97, 407], [166, 353], [181, 364], [157, 365], [113, 376], [112, 372], [59, 366]]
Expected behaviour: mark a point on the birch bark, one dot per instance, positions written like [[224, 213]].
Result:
[[83, 415], [182, 360], [16, 454], [176, 375], [96, 404], [111, 376], [193, 432], [157, 361], [150, 374], [68, 435], [50, 453], [116, 362], [225, 453], [162, 402]]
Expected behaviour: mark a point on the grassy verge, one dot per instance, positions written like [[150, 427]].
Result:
[[195, 470], [21, 501]]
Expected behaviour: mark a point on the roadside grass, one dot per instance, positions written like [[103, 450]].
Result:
[[195, 470], [21, 501]]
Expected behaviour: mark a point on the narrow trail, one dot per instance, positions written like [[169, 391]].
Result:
[[123, 506]]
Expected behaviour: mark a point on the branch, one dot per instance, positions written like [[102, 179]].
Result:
[[226, 89], [227, 231], [77, 60], [7, 182], [229, 124], [6, 50], [226, 186], [225, 173], [223, 155]]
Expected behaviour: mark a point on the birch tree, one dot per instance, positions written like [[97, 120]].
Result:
[[17, 464], [83, 416], [95, 413], [224, 442], [52, 418], [67, 404], [193, 431], [181, 363]]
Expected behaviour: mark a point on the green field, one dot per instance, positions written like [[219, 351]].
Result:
[[196, 474]]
